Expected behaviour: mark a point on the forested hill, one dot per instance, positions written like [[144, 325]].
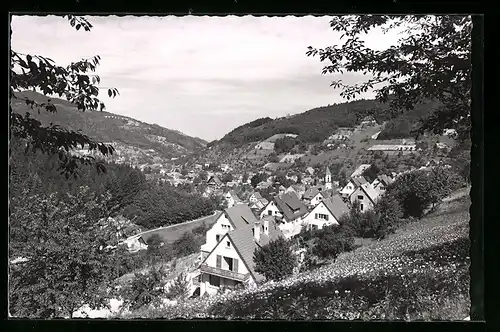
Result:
[[317, 124], [108, 127]]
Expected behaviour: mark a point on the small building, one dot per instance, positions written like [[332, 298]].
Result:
[[352, 185], [366, 196], [327, 212]]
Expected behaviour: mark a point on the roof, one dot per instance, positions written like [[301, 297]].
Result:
[[358, 181], [336, 206], [240, 215], [290, 205], [245, 244], [328, 193], [257, 195], [298, 187], [371, 193], [311, 193], [361, 168], [328, 171], [234, 195], [385, 179], [215, 179]]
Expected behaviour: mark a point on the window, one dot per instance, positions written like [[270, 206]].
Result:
[[228, 244], [217, 238], [269, 212], [360, 197], [361, 207], [321, 216]]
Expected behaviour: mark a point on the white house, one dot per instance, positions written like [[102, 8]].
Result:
[[230, 263], [312, 196], [271, 209], [366, 196], [310, 170], [381, 182], [351, 186], [231, 198], [235, 217], [326, 213]]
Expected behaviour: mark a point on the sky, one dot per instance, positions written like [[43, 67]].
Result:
[[200, 75]]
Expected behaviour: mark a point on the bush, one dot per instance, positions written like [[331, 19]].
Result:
[[144, 289], [179, 289], [333, 240], [187, 244], [275, 260]]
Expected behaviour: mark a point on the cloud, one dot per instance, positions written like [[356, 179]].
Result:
[[200, 75]]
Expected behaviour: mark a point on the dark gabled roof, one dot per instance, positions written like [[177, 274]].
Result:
[[240, 215], [358, 181], [385, 179], [336, 206], [311, 193], [328, 193], [215, 179], [290, 205], [244, 242]]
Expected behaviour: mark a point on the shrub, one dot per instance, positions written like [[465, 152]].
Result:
[[333, 240], [144, 289], [275, 260], [187, 244], [179, 289]]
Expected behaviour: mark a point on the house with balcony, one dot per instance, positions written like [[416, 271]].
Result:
[[326, 213], [230, 263], [232, 218]]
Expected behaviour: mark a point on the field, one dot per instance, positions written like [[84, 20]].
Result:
[[171, 233], [420, 272]]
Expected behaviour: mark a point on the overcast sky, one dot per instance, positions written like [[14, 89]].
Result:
[[203, 76]]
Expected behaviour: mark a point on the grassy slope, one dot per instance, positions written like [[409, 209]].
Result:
[[405, 254]]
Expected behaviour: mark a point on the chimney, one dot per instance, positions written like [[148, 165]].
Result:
[[256, 231], [266, 227]]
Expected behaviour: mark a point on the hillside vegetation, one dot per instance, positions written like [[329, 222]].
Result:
[[420, 272], [313, 127], [108, 127]]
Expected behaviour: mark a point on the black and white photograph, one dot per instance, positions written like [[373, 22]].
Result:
[[240, 167]]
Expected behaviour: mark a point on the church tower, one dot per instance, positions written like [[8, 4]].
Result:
[[328, 179]]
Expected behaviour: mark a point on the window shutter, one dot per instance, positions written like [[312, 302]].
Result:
[[218, 263], [235, 265]]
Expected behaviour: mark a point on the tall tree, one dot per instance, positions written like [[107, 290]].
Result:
[[73, 82], [431, 62], [66, 261]]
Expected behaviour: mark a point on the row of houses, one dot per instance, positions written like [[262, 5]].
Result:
[[227, 254]]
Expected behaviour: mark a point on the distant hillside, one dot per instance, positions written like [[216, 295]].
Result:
[[128, 134], [241, 146]]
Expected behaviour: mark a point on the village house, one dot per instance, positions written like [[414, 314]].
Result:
[[214, 181], [231, 218], [231, 198], [255, 197], [381, 182], [312, 196], [230, 262], [366, 196], [310, 170], [326, 213], [263, 185], [290, 207], [352, 185], [299, 189], [281, 190]]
